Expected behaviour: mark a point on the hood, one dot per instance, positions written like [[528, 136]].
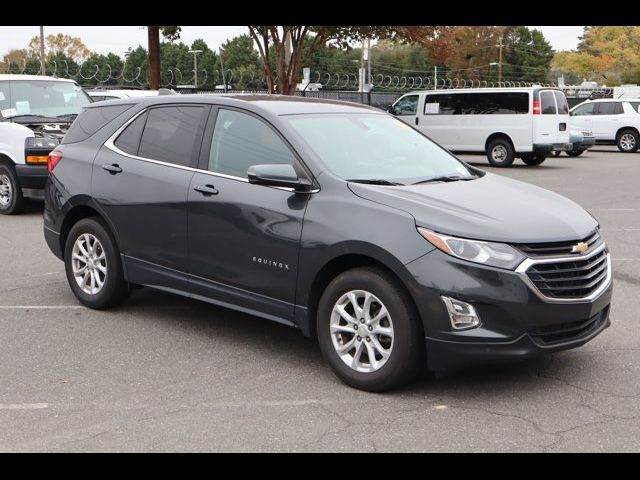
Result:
[[491, 207]]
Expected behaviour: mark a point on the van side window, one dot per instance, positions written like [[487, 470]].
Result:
[[172, 134], [407, 105], [240, 141], [446, 105], [547, 103], [561, 100]]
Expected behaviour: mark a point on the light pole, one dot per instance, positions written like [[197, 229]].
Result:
[[195, 66], [42, 61]]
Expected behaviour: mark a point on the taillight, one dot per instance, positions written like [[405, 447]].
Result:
[[536, 107], [53, 160]]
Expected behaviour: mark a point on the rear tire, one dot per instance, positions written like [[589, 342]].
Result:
[[628, 141], [11, 199], [575, 153], [500, 152], [533, 160], [398, 354], [93, 265]]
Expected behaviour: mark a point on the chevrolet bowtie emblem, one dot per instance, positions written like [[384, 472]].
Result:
[[580, 247]]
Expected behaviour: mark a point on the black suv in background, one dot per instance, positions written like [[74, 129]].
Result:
[[334, 218]]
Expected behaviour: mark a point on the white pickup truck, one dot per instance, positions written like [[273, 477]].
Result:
[[35, 113]]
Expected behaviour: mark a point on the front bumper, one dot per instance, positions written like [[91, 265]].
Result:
[[32, 176], [516, 322]]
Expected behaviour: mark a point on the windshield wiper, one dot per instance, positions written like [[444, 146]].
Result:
[[68, 116], [373, 181], [444, 178], [29, 115]]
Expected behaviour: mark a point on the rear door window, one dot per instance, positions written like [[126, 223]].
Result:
[[173, 134], [609, 108], [547, 103], [129, 140], [91, 120], [561, 101]]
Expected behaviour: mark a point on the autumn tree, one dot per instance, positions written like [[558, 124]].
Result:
[[67, 45]]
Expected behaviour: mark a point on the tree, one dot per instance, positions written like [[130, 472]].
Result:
[[527, 55], [67, 45], [284, 49], [608, 54]]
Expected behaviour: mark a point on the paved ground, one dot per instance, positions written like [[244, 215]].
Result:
[[164, 373]]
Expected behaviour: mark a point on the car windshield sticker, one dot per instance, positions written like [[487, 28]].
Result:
[[431, 108], [23, 107], [8, 112]]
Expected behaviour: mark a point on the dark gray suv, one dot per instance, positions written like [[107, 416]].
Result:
[[334, 218]]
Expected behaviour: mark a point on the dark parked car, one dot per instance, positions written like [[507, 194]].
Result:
[[334, 218]]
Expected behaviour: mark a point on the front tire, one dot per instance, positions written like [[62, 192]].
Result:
[[628, 141], [500, 153], [533, 160], [368, 330], [93, 265], [575, 153], [11, 199]]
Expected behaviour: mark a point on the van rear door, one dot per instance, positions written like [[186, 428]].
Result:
[[551, 118]]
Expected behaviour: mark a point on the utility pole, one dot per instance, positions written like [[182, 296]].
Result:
[[153, 35], [500, 62], [224, 80], [435, 77], [42, 64], [369, 61], [195, 66], [361, 71]]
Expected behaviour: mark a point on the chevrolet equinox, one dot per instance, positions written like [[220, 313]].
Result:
[[334, 218]]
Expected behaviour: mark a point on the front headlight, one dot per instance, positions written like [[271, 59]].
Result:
[[494, 254]]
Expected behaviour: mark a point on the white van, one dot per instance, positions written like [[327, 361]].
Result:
[[504, 123], [35, 113]]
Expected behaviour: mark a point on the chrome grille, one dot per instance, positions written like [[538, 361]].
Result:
[[557, 248], [570, 278]]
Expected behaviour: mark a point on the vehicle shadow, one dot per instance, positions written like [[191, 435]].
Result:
[[273, 339], [33, 207]]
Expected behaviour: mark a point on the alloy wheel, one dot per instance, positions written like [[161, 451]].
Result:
[[361, 331], [627, 142], [6, 191], [89, 264]]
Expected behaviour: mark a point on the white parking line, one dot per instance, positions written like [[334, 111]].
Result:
[[614, 209], [620, 229], [38, 307], [23, 406]]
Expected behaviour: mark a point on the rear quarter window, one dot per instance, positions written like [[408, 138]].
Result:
[[91, 120], [635, 106]]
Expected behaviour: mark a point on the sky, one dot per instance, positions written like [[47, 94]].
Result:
[[105, 39]]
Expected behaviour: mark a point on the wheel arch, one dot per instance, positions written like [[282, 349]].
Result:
[[84, 207], [333, 266], [5, 159], [495, 136], [622, 129]]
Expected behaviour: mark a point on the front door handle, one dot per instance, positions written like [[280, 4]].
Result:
[[417, 120], [113, 168], [206, 190]]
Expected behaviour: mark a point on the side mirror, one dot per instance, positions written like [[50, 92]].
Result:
[[393, 110], [278, 175]]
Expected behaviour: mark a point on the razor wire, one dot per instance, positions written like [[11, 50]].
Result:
[[93, 74]]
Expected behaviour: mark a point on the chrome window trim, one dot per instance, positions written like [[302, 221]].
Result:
[[528, 262], [110, 144]]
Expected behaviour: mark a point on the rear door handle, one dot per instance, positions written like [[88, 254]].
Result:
[[112, 168], [417, 120], [206, 190]]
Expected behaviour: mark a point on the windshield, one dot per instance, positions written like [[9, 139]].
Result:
[[48, 98], [374, 147]]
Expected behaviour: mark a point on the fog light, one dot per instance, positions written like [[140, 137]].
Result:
[[462, 315]]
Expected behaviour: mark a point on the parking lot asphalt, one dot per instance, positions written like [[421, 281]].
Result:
[[164, 373]]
